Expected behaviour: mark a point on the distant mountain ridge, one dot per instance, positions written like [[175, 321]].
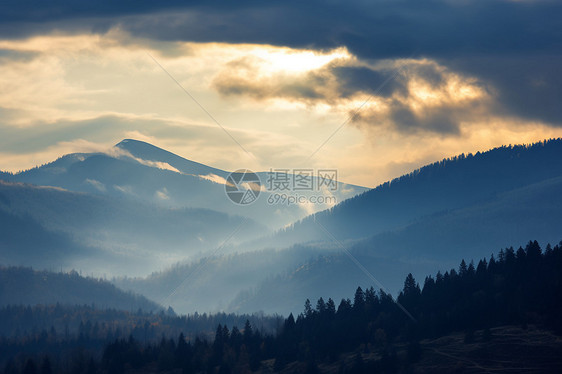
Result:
[[469, 204], [25, 286], [51, 227], [131, 210], [150, 152], [429, 244], [139, 171], [421, 222], [452, 183]]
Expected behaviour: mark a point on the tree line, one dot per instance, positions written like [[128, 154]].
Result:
[[516, 287]]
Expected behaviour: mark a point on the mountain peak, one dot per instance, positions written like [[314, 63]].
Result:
[[144, 150], [126, 143], [149, 152]]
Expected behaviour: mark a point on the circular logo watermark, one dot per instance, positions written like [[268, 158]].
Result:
[[242, 187]]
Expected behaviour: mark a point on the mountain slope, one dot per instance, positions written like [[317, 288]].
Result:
[[146, 151], [449, 184], [24, 241], [139, 171], [210, 283], [497, 217], [434, 243], [46, 226], [24, 286]]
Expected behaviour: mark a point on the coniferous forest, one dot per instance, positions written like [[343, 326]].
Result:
[[483, 302]]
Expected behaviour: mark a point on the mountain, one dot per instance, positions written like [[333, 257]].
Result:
[[419, 223], [129, 211], [49, 227], [48, 288], [453, 183], [139, 171], [145, 151], [497, 316], [517, 198], [211, 283], [23, 240], [426, 245]]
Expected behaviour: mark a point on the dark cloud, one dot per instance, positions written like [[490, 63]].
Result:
[[527, 86], [443, 120], [335, 81], [375, 29], [341, 80], [359, 78], [514, 47]]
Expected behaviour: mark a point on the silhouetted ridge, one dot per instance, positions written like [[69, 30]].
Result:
[[448, 184], [48, 288]]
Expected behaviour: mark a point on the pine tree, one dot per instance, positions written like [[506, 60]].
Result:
[[482, 267], [331, 307], [462, 268], [533, 251], [411, 287], [307, 308], [248, 333], [321, 306], [344, 307], [359, 299], [470, 271], [289, 322]]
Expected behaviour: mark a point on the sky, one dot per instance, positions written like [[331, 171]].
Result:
[[372, 88]]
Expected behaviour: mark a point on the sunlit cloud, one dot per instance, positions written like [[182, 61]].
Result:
[[85, 92], [127, 190], [404, 95], [162, 194], [151, 163], [214, 178], [96, 184]]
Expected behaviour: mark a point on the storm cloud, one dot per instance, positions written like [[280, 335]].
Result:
[[410, 96], [374, 29], [511, 50]]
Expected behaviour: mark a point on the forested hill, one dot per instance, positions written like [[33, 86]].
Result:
[[445, 185], [506, 309], [518, 287], [25, 286]]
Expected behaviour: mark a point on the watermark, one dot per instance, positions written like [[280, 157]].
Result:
[[284, 186], [243, 187], [291, 199], [301, 186], [302, 180]]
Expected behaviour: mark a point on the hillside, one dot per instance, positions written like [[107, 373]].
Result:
[[211, 283], [278, 280], [138, 171], [454, 183], [422, 247], [500, 313], [25, 286], [24, 241], [51, 227]]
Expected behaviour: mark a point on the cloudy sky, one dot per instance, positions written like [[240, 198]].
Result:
[[373, 88]]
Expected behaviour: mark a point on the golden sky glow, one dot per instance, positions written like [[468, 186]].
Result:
[[87, 92]]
